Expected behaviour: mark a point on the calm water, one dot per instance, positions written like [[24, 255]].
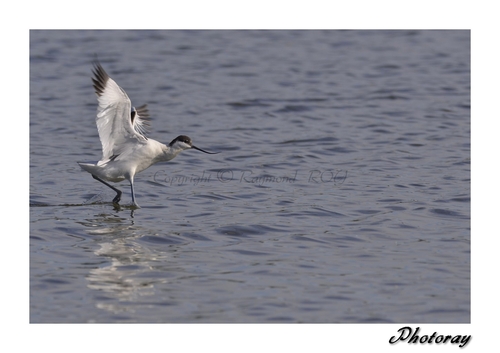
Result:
[[341, 193]]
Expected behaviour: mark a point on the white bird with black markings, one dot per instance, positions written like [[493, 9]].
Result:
[[122, 128]]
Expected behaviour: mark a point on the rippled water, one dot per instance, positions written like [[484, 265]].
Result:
[[341, 192]]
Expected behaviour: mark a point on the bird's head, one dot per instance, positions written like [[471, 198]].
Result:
[[184, 142]]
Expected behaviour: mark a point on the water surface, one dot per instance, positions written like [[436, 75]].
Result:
[[341, 193]]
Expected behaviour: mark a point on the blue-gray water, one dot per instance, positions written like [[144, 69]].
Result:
[[341, 192]]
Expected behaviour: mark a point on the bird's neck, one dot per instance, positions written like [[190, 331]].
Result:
[[169, 153]]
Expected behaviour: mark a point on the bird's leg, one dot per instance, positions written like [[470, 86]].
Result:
[[133, 194], [118, 192]]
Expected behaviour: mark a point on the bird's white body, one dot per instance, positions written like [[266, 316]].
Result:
[[126, 150], [136, 159]]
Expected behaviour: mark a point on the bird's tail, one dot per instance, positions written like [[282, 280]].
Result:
[[88, 167]]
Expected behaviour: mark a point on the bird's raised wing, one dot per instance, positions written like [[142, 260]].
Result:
[[140, 119], [114, 116]]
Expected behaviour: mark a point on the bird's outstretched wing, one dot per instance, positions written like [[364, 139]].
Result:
[[140, 119], [115, 117]]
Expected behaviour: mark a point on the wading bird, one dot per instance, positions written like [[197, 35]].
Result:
[[122, 128]]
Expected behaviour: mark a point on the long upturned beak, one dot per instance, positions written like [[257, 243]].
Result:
[[199, 149]]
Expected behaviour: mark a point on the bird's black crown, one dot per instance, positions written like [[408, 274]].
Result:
[[181, 138]]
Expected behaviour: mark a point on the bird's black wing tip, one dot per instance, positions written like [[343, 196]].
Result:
[[100, 76]]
